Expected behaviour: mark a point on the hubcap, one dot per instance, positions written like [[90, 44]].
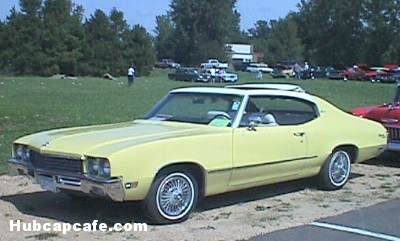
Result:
[[175, 196], [339, 168]]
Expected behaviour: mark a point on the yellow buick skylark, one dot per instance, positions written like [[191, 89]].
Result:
[[198, 142]]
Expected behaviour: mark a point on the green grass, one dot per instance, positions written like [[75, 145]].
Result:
[[31, 104]]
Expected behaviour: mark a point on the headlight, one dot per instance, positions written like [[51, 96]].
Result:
[[22, 153], [98, 167]]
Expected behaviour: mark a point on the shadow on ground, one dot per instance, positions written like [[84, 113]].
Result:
[[61, 207], [388, 159]]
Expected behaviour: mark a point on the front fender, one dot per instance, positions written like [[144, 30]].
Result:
[[140, 164]]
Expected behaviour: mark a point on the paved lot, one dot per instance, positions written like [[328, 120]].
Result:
[[378, 222]]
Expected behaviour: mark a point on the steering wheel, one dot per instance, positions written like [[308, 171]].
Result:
[[221, 115]]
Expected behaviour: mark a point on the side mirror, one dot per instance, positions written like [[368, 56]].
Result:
[[252, 126]]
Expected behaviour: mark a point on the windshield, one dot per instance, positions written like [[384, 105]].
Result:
[[197, 108]]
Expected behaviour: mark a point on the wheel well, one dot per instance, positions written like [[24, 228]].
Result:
[[196, 170], [351, 149]]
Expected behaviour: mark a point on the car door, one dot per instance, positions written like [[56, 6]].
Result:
[[274, 148]]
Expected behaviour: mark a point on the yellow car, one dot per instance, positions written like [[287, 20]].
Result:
[[198, 142]]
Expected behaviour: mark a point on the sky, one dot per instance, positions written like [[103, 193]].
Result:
[[144, 12]]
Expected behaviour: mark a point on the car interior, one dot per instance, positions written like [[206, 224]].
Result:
[[280, 111]]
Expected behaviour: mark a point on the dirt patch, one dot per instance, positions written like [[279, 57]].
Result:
[[232, 216]]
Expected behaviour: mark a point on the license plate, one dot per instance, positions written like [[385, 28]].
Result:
[[47, 183]]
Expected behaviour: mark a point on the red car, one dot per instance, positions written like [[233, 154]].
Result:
[[388, 115], [354, 73]]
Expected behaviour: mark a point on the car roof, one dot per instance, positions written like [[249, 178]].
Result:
[[235, 91], [285, 87]]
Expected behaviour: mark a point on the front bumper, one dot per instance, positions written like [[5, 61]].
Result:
[[112, 188], [393, 146]]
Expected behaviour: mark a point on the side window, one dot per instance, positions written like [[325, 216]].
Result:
[[278, 111]]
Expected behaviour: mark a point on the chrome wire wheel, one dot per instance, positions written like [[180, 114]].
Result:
[[175, 196], [339, 168]]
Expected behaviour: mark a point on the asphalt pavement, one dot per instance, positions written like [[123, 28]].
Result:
[[374, 223]]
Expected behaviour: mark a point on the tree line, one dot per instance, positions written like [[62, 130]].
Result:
[[46, 37], [50, 37], [323, 32]]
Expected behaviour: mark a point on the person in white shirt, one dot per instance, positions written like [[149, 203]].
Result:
[[131, 75], [213, 73], [306, 66]]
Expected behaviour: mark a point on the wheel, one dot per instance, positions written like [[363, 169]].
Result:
[[172, 197], [336, 170]]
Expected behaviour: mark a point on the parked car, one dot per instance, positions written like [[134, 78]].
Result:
[[354, 74], [334, 74], [383, 76], [199, 142], [167, 64], [317, 72], [228, 77], [396, 76], [214, 63], [240, 65], [282, 71], [219, 76], [278, 74], [388, 115], [186, 74], [257, 67]]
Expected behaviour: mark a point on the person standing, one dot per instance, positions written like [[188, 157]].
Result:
[[131, 75], [259, 75], [297, 70], [213, 73]]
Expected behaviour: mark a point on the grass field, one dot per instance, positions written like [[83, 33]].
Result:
[[31, 104]]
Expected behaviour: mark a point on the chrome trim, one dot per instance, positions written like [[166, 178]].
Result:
[[111, 188], [69, 181]]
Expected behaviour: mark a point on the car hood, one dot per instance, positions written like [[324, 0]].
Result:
[[104, 140], [386, 114]]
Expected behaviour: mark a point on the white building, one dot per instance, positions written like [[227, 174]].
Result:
[[240, 52]]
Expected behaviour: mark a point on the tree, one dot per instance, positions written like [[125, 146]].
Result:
[[164, 40], [284, 43], [332, 31], [114, 45], [63, 37], [381, 42], [278, 40], [260, 35], [99, 36], [119, 27], [22, 35], [202, 28], [139, 49]]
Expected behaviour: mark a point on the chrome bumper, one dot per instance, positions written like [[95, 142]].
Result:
[[112, 188], [393, 146]]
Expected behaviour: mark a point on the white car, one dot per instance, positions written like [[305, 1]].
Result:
[[228, 77], [257, 67], [214, 63]]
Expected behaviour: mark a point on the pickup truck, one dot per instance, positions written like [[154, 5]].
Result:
[[214, 63]]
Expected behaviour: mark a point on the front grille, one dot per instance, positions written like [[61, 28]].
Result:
[[57, 165], [394, 134]]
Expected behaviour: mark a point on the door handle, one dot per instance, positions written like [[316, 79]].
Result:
[[299, 134]]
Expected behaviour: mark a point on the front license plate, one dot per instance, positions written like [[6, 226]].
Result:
[[47, 183]]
